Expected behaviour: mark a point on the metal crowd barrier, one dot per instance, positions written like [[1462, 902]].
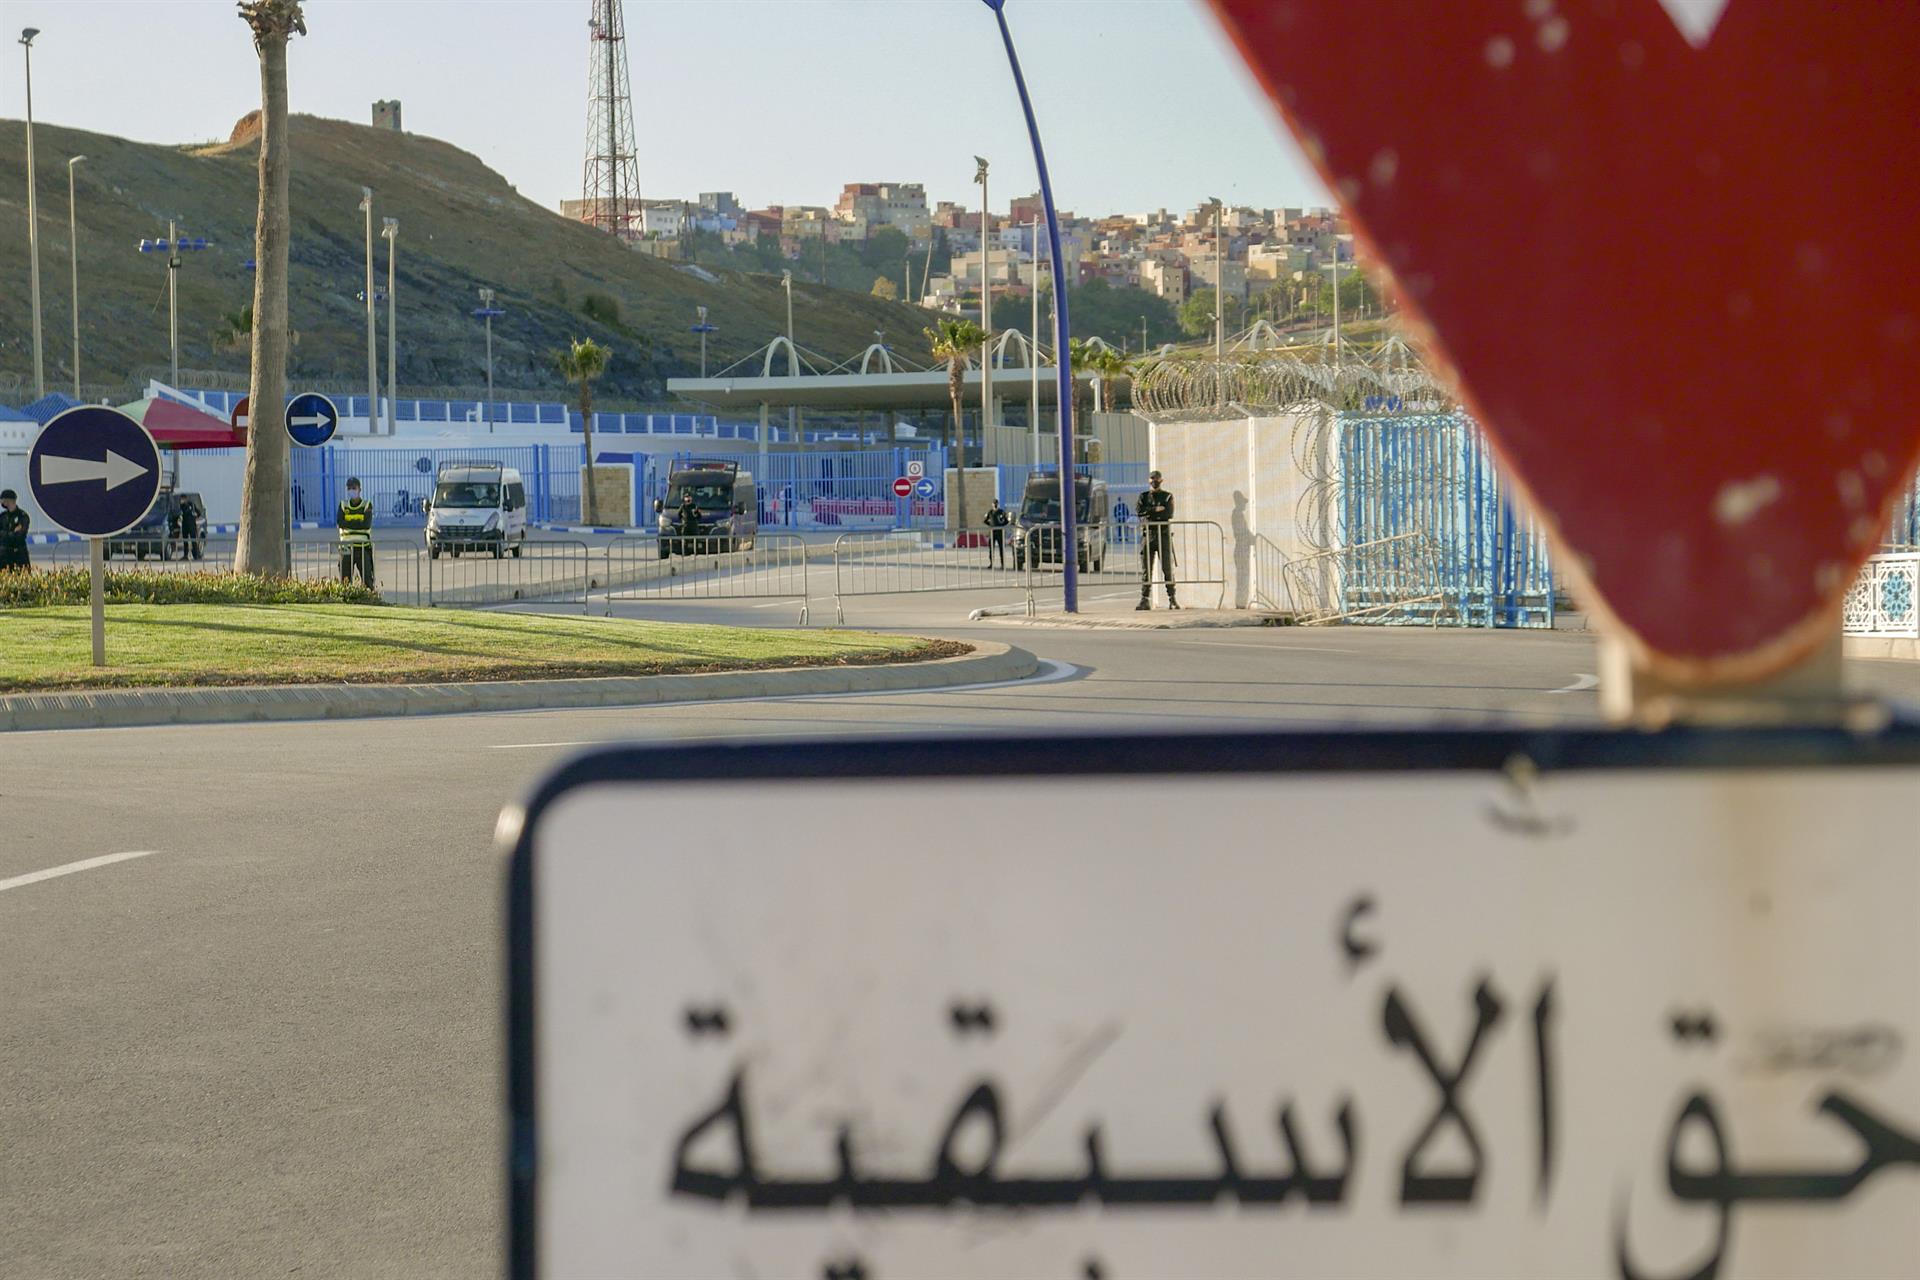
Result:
[[1398, 579], [547, 569], [1885, 599], [399, 566], [882, 563], [1198, 547], [679, 567]]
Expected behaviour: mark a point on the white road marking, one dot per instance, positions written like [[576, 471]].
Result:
[[1270, 648], [1050, 672], [1583, 681], [67, 869]]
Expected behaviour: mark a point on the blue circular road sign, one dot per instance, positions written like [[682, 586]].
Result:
[[311, 419], [924, 489], [94, 471]]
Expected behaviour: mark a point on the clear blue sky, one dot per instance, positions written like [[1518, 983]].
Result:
[[1142, 103]]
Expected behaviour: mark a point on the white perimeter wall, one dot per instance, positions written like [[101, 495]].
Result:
[[1242, 474]]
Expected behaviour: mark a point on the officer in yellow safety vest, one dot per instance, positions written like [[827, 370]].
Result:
[[354, 520]]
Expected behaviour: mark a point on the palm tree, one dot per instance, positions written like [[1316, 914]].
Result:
[[262, 545], [1108, 365], [954, 341], [1081, 355], [581, 364]]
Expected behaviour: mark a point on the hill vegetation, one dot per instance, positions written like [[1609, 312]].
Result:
[[462, 226]]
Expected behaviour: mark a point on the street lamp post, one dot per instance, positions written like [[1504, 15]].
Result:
[[793, 363], [373, 369], [986, 344], [172, 246], [390, 232], [33, 223], [907, 263], [1219, 292], [1033, 355], [73, 257], [703, 329], [1069, 568], [487, 311], [1143, 335]]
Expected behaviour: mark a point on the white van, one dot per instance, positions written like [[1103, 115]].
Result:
[[477, 506]]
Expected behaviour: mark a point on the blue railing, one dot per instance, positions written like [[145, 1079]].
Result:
[[1432, 474]]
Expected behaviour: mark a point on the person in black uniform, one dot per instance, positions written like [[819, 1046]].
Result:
[[354, 520], [1155, 510], [13, 532], [997, 519], [689, 524]]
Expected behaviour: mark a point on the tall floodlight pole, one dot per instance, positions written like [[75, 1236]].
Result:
[[1219, 292], [73, 258], [907, 263], [1338, 354], [793, 361], [487, 311], [173, 246], [1033, 355], [703, 329], [390, 232], [373, 370], [33, 223], [1143, 335], [1069, 569], [986, 343]]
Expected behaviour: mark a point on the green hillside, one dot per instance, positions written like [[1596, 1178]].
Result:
[[461, 226]]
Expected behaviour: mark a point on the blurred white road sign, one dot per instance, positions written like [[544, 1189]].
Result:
[[1360, 1005], [915, 470]]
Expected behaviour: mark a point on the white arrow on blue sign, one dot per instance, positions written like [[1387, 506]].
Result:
[[924, 489], [94, 471], [311, 419]]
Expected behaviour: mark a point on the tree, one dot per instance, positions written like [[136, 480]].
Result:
[[1196, 313], [885, 289], [955, 341], [1107, 365], [1080, 359], [262, 545], [884, 248], [581, 364]]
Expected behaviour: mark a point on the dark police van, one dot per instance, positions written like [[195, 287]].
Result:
[[176, 524], [1036, 525], [729, 511]]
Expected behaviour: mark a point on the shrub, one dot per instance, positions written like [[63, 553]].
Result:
[[151, 586], [601, 309]]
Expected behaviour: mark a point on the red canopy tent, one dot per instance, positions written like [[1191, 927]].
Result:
[[174, 425]]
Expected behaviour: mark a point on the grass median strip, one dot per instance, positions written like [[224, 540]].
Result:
[[48, 649]]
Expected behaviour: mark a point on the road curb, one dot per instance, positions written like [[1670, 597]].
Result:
[[990, 662], [1155, 620]]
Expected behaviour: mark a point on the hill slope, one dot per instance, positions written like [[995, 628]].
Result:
[[461, 226]]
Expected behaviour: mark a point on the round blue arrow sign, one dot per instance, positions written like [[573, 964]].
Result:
[[924, 489], [311, 419], [94, 471]]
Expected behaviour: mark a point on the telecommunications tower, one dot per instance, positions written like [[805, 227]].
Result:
[[610, 188]]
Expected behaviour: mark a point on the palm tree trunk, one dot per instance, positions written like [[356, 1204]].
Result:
[[262, 544], [590, 514], [958, 452]]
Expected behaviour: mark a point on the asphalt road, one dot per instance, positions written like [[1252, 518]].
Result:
[[272, 1045]]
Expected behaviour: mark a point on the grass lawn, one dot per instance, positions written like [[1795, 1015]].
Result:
[[195, 644]]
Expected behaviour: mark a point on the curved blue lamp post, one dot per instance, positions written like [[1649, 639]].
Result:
[[1069, 517]]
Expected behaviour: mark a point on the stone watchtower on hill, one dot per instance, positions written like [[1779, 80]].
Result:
[[386, 114]]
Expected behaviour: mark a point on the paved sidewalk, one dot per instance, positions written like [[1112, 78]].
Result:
[[1156, 619]]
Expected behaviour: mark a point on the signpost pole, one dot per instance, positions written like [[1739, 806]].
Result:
[[97, 598]]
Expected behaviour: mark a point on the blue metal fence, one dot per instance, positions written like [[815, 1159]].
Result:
[[1432, 474], [398, 480]]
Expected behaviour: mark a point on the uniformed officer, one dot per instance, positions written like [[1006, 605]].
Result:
[[13, 532], [1155, 510], [354, 520], [689, 524], [997, 519]]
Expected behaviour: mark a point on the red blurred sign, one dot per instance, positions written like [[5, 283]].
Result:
[[238, 418], [902, 487], [1675, 268]]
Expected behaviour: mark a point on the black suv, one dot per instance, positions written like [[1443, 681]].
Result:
[[176, 524]]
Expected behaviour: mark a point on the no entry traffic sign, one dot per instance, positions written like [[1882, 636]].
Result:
[[1582, 202], [239, 419], [94, 471], [311, 419], [902, 487]]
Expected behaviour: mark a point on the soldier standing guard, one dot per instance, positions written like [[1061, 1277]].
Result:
[[1155, 510], [13, 532], [354, 520]]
